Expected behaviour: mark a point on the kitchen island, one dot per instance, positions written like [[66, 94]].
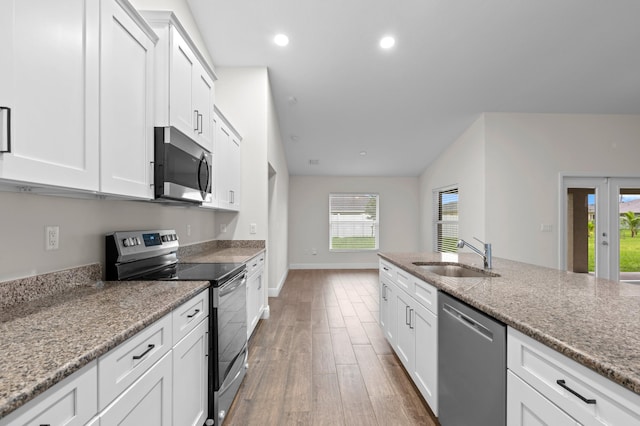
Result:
[[593, 321]]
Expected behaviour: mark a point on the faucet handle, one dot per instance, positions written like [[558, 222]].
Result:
[[481, 242]]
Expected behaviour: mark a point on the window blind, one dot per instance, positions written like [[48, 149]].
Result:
[[353, 222], [446, 220]]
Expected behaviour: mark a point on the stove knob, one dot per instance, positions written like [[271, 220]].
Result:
[[164, 238], [138, 242], [175, 237], [126, 242]]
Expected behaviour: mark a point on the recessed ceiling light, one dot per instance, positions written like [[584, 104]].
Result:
[[387, 42], [281, 40], [294, 138], [363, 153]]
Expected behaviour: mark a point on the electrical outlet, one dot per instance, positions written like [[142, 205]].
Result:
[[188, 230], [253, 228], [52, 237], [223, 228]]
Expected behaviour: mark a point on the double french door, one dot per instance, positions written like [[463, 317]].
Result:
[[601, 227]]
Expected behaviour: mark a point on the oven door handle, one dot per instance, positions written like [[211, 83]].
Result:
[[233, 284]]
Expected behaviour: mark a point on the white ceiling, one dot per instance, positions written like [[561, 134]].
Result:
[[453, 60]]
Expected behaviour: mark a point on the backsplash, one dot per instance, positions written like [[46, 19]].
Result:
[[39, 286]]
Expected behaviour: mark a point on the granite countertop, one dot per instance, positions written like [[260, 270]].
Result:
[[46, 339], [591, 320], [223, 255]]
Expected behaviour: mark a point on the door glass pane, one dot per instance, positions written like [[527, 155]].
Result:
[[581, 220], [629, 217]]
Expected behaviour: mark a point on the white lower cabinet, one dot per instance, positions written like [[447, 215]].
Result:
[[72, 402], [146, 402], [559, 385], [158, 377], [408, 318], [190, 392], [526, 407], [388, 310], [255, 292]]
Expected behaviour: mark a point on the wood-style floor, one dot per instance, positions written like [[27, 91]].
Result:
[[321, 359]]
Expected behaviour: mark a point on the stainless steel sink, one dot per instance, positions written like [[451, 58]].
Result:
[[452, 270]]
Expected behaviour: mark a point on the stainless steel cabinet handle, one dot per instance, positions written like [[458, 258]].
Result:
[[151, 346], [5, 129], [195, 119], [410, 319], [563, 385], [407, 318], [200, 124]]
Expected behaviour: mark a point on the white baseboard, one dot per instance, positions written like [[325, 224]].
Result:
[[334, 266], [275, 292], [266, 313]]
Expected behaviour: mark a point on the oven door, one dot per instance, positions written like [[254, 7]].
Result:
[[230, 327], [183, 169]]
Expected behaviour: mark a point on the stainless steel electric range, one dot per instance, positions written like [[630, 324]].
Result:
[[152, 255]]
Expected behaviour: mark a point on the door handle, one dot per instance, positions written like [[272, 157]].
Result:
[[195, 121], [200, 123], [563, 385], [5, 135], [407, 319], [410, 319]]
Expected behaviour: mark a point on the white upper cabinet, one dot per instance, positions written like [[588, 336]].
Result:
[[48, 79], [227, 163], [184, 81], [76, 87], [126, 101]]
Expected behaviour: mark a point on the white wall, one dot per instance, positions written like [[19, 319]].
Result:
[[83, 225], [309, 219], [525, 155], [241, 95], [522, 157], [277, 242], [461, 165]]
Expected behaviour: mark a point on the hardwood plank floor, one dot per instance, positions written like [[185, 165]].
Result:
[[321, 359]]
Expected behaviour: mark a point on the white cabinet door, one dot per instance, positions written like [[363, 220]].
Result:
[[228, 164], [182, 63], [203, 105], [388, 311], [190, 393], [126, 104], [405, 335], [146, 402], [49, 81], [526, 407], [425, 364], [255, 300]]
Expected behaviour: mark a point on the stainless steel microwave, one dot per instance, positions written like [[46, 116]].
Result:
[[182, 168]]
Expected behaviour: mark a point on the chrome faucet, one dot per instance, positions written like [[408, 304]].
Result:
[[486, 256]]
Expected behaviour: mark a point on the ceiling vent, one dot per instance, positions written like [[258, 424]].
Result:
[[314, 162]]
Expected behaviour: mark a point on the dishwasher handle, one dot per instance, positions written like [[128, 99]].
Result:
[[468, 321]]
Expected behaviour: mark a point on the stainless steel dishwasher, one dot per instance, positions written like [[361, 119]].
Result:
[[472, 370]]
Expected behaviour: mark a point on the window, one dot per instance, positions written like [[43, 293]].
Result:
[[446, 220], [353, 222]]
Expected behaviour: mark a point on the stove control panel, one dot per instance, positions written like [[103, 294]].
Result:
[[126, 246]]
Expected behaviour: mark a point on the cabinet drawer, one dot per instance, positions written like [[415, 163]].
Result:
[[388, 271], [526, 407], [188, 315], [426, 295], [255, 264], [404, 280], [73, 401], [553, 374], [123, 365]]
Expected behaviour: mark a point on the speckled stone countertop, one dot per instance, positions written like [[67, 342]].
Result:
[[46, 339], [594, 321], [239, 251]]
